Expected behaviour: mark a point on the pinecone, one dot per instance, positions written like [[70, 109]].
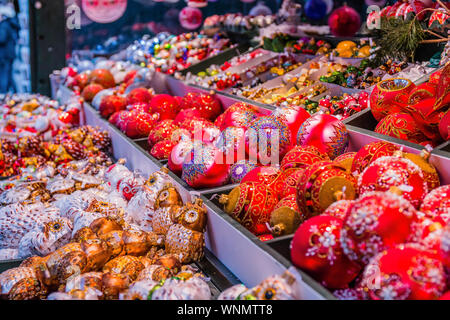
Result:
[[101, 139], [75, 149], [30, 146]]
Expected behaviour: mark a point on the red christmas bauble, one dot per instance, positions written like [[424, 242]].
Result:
[[251, 204], [346, 160], [427, 232], [140, 124], [271, 177], [292, 116], [204, 167], [162, 131], [437, 203], [326, 133], [421, 92], [90, 91], [103, 77], [290, 178], [302, 157], [393, 171], [111, 104], [322, 184], [208, 105], [405, 272], [162, 149], [232, 142], [371, 152], [139, 95], [238, 115], [122, 120], [376, 221], [166, 105], [445, 247], [444, 126], [178, 156], [185, 114], [267, 137], [401, 126], [339, 209], [316, 249], [344, 22], [190, 18]]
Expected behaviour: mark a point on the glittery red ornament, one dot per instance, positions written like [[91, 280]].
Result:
[[371, 152], [292, 116], [166, 105], [208, 105], [393, 171], [204, 167], [444, 126], [90, 91], [326, 133], [80, 81], [427, 232], [316, 249], [103, 77], [162, 149], [232, 142], [437, 203], [271, 177], [445, 247], [201, 129], [405, 272], [111, 104], [401, 126], [346, 160], [251, 204], [339, 209], [140, 124], [139, 95], [344, 22], [178, 156], [376, 221], [187, 114], [290, 178], [162, 131], [238, 115], [120, 119], [302, 157], [421, 92], [322, 184]]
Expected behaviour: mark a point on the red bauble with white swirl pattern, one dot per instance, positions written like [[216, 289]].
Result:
[[376, 221], [316, 249], [325, 132], [387, 172]]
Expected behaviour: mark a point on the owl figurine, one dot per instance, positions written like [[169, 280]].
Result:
[[167, 205], [21, 283], [185, 238]]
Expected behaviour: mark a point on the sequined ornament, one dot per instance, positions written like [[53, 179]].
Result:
[[393, 171], [161, 131], [238, 115], [292, 116], [111, 104], [272, 177], [75, 149], [205, 167], [165, 105], [208, 105], [267, 137], [437, 203], [376, 221], [301, 157], [390, 96], [326, 133], [322, 184], [371, 152], [240, 169], [139, 95], [162, 149], [316, 249], [251, 205], [401, 126], [286, 216], [139, 124], [405, 272]]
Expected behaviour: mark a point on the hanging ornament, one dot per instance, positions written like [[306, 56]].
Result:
[[344, 22], [190, 18], [260, 10], [104, 11], [316, 9]]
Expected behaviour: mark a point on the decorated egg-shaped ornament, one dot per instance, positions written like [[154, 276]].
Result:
[[316, 248], [302, 157], [271, 177], [251, 204], [204, 167], [322, 184], [394, 171], [130, 185], [437, 203], [405, 272], [267, 139], [326, 133], [376, 221], [286, 216], [371, 152], [240, 169]]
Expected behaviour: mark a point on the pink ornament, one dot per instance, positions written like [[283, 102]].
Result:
[[190, 18], [344, 22]]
